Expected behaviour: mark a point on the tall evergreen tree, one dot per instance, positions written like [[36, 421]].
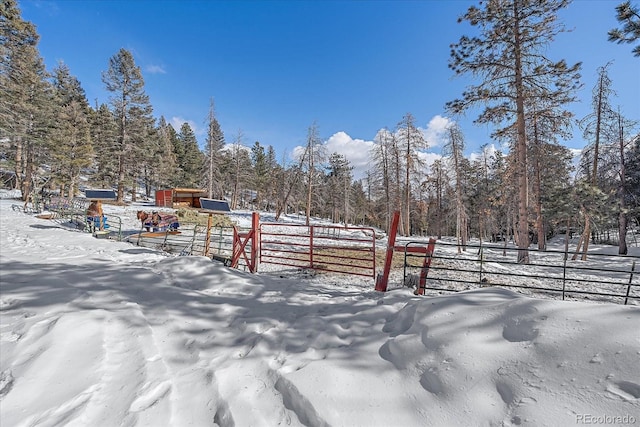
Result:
[[104, 134], [72, 149], [132, 110], [274, 177], [547, 123], [261, 172], [508, 55], [144, 147], [26, 107], [213, 155], [192, 158], [166, 163], [178, 152]]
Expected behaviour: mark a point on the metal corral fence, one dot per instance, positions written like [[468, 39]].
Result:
[[73, 211], [191, 239], [601, 277], [338, 249]]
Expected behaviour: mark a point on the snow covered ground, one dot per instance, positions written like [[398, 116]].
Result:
[[104, 333]]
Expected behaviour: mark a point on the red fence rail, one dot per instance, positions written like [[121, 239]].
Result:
[[348, 250]]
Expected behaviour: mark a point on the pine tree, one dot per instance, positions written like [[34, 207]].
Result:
[[192, 158], [26, 106], [239, 171], [104, 135], [261, 172], [454, 147], [622, 127], [144, 143], [598, 127], [508, 55], [411, 142], [72, 149], [315, 156], [382, 158], [553, 179], [290, 182], [178, 151], [132, 110], [632, 175], [163, 164], [547, 123], [629, 17], [484, 194], [437, 184], [213, 154], [339, 187], [274, 178]]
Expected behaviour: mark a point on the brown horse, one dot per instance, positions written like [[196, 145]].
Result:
[[157, 221]]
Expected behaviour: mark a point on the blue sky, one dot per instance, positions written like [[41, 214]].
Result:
[[274, 68]]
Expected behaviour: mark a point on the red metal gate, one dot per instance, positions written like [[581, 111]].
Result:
[[347, 250]]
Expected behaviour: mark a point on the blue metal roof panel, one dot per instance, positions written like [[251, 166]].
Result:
[[100, 194]]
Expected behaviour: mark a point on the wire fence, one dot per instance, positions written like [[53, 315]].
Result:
[[602, 277]]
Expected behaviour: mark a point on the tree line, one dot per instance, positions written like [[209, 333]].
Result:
[[51, 138]]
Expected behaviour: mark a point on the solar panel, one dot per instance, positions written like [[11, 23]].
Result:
[[100, 194], [217, 206]]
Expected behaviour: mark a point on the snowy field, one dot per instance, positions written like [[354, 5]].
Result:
[[104, 333]]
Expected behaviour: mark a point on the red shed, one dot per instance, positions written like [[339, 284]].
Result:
[[180, 197]]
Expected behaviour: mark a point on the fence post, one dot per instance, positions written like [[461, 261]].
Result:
[[255, 240], [383, 279], [633, 268], [481, 259], [207, 239], [426, 264], [564, 271], [311, 246]]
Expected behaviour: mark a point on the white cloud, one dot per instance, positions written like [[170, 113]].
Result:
[[297, 153], [436, 129], [155, 69], [357, 151], [231, 147]]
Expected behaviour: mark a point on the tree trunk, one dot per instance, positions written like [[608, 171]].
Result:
[[27, 183], [542, 243], [584, 239], [521, 149], [407, 189], [19, 167], [622, 216], [121, 178]]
